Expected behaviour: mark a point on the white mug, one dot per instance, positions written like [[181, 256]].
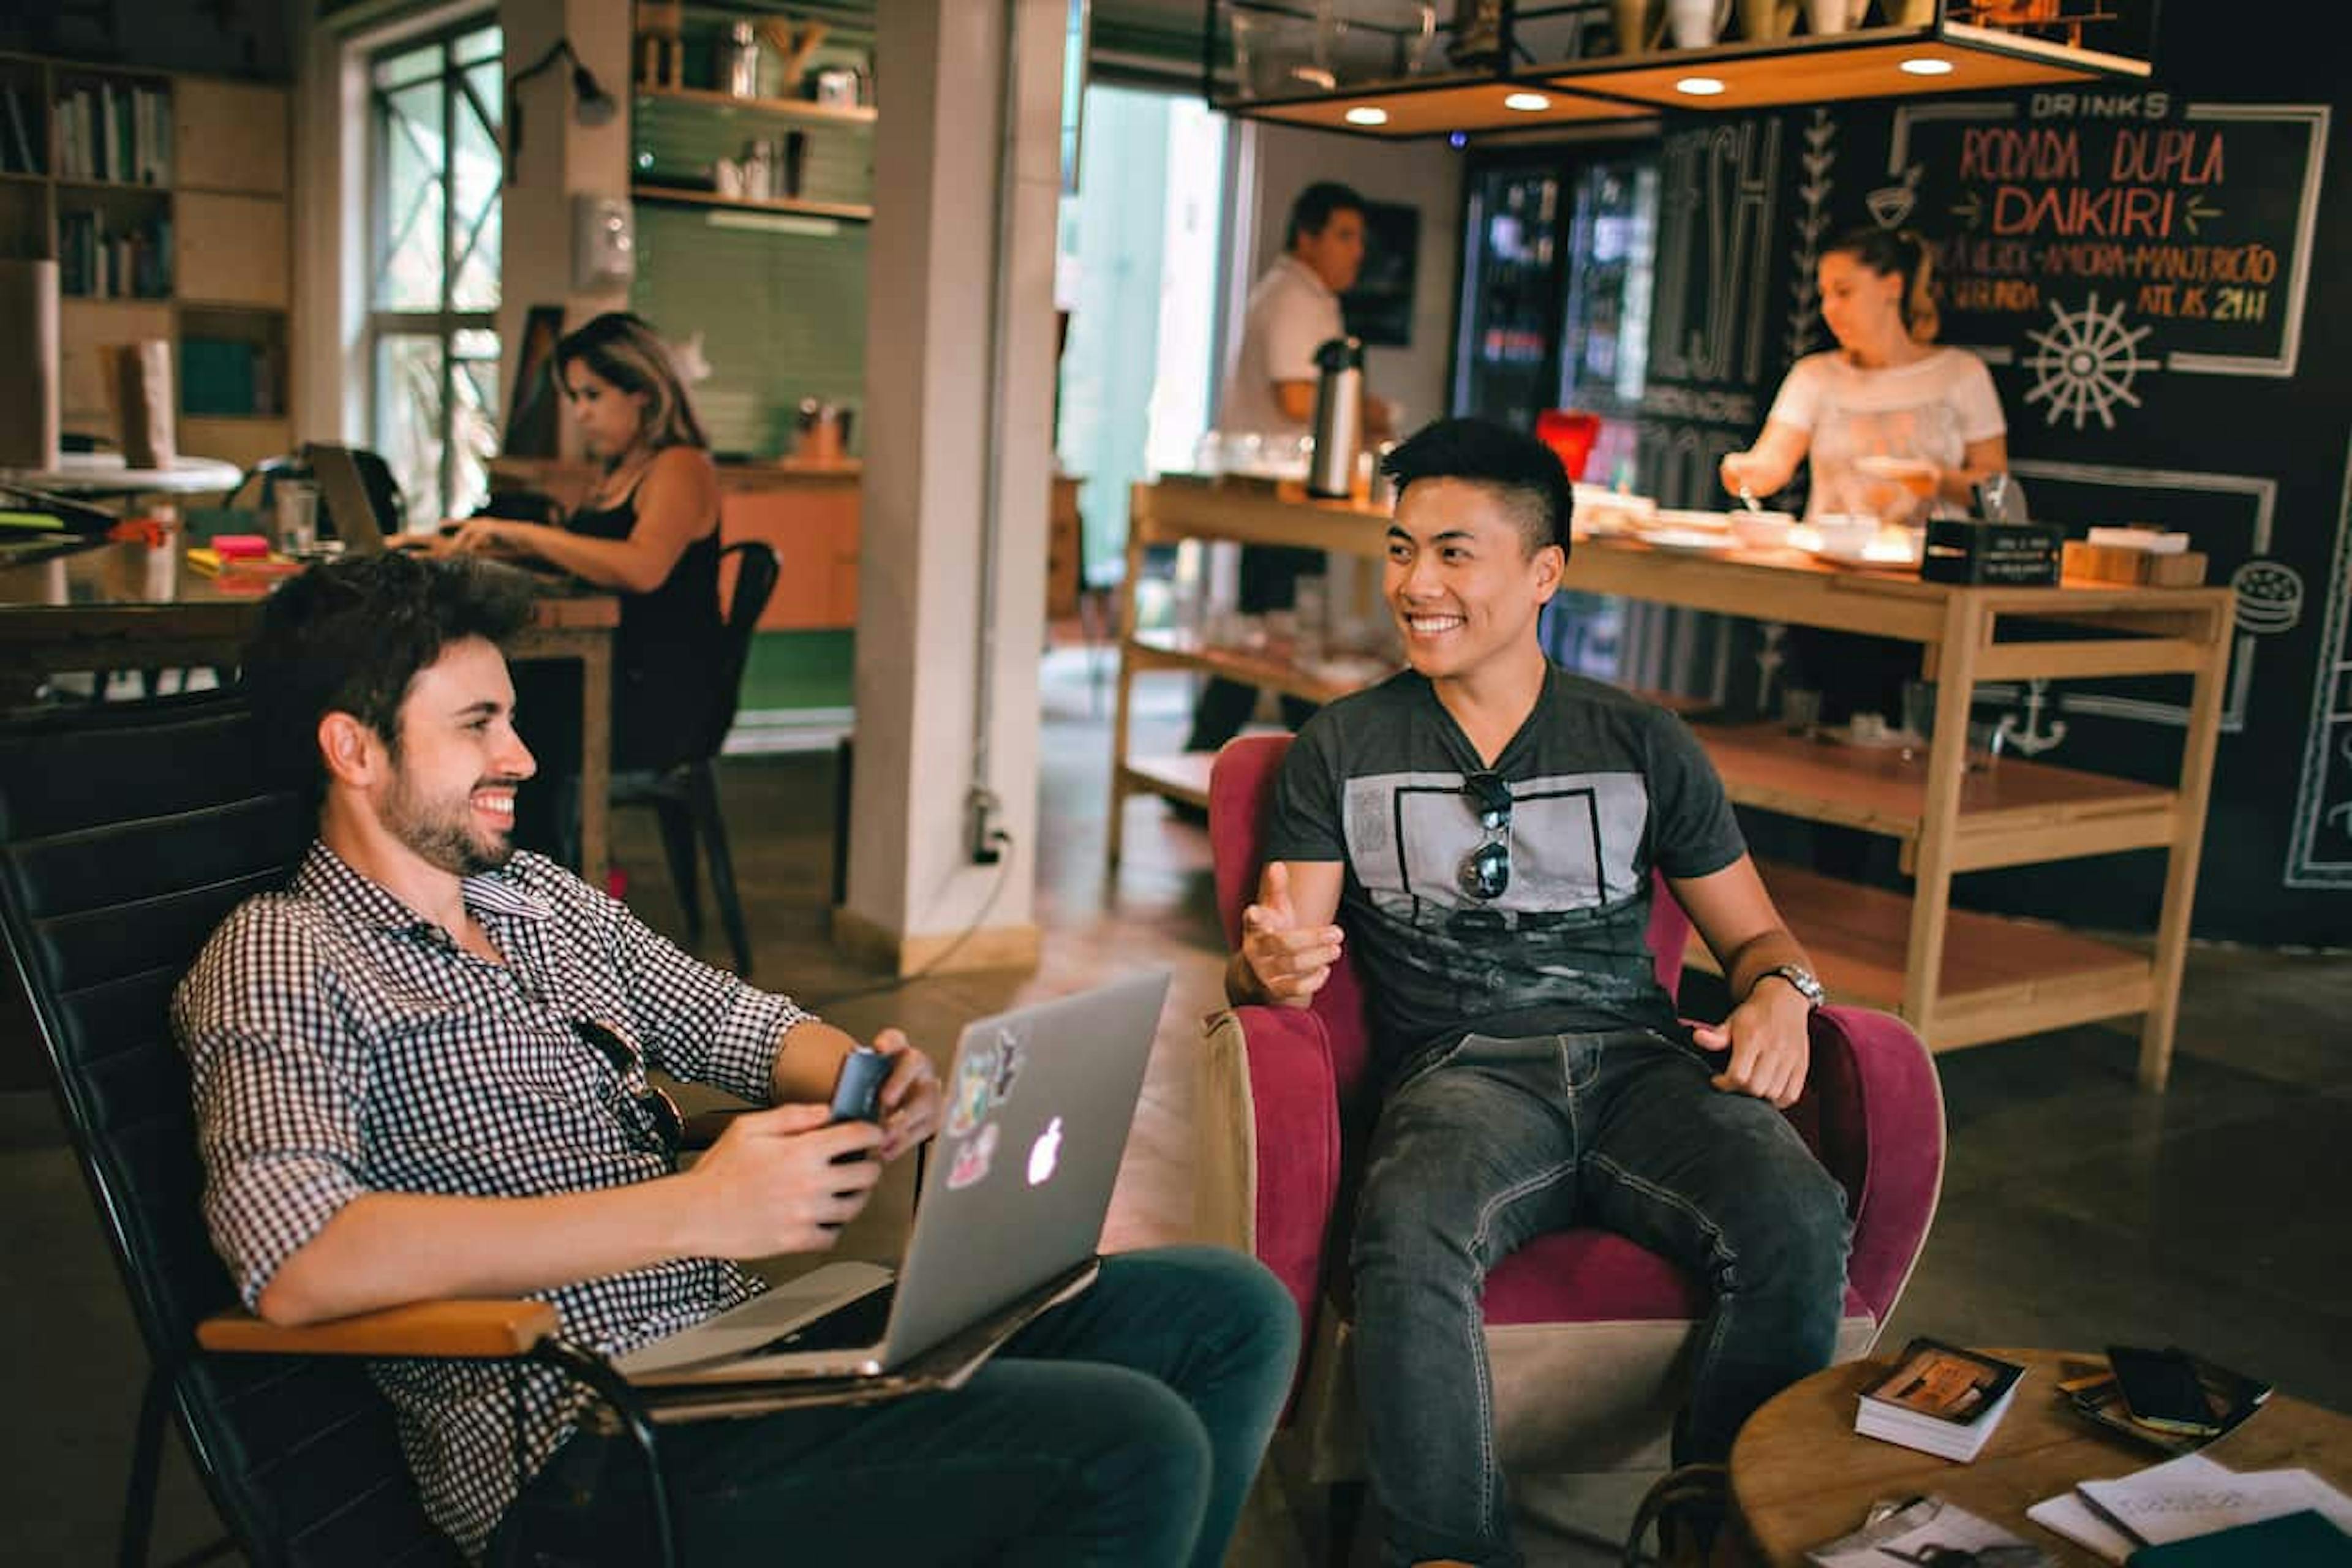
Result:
[[1696, 24]]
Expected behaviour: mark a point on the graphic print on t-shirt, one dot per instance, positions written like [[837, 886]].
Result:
[[1574, 841]]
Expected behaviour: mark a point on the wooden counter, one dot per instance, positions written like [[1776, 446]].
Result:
[[1959, 978]]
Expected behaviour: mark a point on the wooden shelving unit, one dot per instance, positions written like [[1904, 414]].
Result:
[[1959, 978], [216, 201]]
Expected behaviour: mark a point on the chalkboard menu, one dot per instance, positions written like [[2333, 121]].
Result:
[[2139, 269], [2097, 235]]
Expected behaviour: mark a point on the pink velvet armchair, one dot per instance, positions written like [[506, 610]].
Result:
[[1588, 1333]]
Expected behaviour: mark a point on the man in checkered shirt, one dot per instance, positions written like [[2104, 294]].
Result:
[[420, 1073]]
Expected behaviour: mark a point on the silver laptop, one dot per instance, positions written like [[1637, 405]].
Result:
[[1039, 1102], [348, 502]]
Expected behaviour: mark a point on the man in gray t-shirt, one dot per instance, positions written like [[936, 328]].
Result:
[[1483, 831]]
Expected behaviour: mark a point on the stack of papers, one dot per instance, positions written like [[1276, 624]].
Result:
[[1940, 1399], [2183, 1500], [1927, 1530]]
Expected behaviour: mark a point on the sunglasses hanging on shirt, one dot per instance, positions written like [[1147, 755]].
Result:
[[1485, 872]]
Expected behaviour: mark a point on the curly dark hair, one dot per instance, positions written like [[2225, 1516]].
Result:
[[350, 636], [1524, 472]]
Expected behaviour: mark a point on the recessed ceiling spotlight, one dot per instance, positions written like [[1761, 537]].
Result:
[[1367, 115], [1700, 85], [1531, 102], [1927, 65]]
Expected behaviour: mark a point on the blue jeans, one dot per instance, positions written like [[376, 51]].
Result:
[[1123, 1427], [1498, 1141]]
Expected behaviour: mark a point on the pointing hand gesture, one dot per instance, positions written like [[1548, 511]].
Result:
[[1289, 962]]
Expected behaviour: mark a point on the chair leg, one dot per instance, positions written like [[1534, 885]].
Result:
[[677, 820], [146, 1461], [1345, 1516], [702, 794]]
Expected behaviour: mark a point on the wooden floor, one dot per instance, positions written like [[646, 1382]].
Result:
[[2076, 1211]]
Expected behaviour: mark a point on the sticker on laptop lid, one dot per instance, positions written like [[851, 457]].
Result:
[[971, 1160], [1010, 1055], [975, 1079]]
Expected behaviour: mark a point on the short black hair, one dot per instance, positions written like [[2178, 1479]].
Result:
[[1525, 472], [1311, 212], [350, 636]]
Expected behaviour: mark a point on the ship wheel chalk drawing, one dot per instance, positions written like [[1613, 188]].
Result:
[[2085, 364]]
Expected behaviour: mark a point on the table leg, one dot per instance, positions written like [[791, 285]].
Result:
[[595, 757]]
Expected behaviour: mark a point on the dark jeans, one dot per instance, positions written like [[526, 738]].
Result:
[[1123, 1427], [1269, 580], [1498, 1141]]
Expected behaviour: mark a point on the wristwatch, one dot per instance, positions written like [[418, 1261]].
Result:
[[1809, 988]]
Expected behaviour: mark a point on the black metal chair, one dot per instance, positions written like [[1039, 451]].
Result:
[[127, 833], [685, 797]]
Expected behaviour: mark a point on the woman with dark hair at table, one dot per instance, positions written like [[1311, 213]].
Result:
[[649, 530]]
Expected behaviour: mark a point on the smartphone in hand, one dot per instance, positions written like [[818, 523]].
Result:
[[2162, 1390], [857, 1092]]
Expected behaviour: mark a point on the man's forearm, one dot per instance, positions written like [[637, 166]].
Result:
[[385, 1249], [1769, 951], [808, 1061]]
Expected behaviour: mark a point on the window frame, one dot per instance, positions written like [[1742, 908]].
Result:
[[444, 324]]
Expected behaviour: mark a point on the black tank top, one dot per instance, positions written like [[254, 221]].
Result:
[[669, 651]]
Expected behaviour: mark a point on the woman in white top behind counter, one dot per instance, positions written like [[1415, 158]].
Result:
[[1885, 394]]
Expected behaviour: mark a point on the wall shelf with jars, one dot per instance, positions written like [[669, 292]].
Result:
[[761, 113], [1422, 68]]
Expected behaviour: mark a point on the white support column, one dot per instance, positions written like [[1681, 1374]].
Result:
[[958, 404]]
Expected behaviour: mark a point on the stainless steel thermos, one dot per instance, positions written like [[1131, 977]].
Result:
[[1338, 417]]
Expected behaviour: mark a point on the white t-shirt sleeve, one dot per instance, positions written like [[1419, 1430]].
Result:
[[1799, 405], [1975, 401], [1297, 325]]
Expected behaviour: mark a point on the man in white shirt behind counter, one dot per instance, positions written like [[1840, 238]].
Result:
[[1294, 309]]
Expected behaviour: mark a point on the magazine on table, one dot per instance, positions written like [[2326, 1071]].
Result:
[[1930, 1530]]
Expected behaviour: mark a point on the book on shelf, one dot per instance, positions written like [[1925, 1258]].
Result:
[[2181, 1500], [16, 153], [1940, 1398], [1928, 1530], [2094, 1394]]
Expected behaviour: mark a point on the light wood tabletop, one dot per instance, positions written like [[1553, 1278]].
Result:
[[1800, 1475]]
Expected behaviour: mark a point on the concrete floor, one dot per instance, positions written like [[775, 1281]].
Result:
[[2076, 1210]]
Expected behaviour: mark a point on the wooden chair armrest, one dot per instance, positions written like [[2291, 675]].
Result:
[[470, 1330]]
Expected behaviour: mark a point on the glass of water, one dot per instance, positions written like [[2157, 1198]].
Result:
[[298, 517]]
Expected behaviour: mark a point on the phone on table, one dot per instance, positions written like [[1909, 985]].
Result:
[[2161, 1389]]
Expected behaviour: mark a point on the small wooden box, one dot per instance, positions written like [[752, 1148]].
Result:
[[2141, 568]]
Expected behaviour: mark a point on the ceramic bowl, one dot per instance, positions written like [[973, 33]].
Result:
[[1845, 532]]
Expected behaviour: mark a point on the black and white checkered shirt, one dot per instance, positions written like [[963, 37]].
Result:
[[342, 1043]]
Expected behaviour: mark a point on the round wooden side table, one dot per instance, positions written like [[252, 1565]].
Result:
[[1801, 1474]]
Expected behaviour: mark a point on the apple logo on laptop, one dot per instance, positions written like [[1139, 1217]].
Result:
[[1044, 1153]]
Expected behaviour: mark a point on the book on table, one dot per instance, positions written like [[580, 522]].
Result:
[[1940, 1398], [2301, 1539]]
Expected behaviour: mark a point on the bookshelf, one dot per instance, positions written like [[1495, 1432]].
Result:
[[163, 198]]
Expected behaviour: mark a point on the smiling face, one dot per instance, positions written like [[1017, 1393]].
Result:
[[609, 419], [1461, 580], [456, 762], [1863, 308]]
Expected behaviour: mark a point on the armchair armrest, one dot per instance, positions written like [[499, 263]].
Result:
[[1873, 1110], [1269, 1120], [471, 1330]]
